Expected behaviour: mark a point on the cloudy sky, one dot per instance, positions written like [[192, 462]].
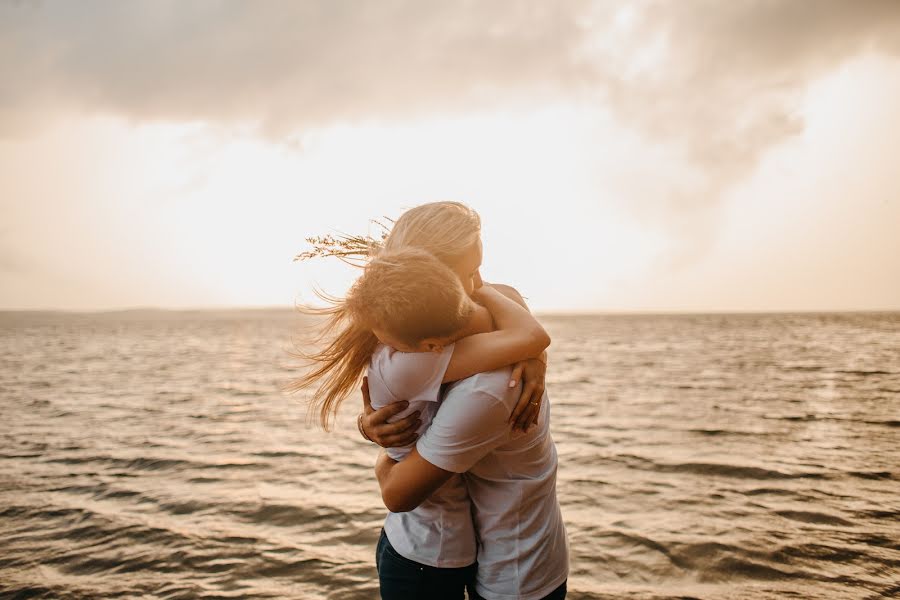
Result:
[[691, 155]]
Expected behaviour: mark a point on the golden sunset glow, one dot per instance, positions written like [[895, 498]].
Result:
[[611, 183]]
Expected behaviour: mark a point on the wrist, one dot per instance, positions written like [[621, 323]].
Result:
[[362, 429]]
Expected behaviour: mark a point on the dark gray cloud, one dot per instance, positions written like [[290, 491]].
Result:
[[288, 64], [724, 90], [294, 64]]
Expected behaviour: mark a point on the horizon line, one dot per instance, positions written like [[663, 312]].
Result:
[[554, 313]]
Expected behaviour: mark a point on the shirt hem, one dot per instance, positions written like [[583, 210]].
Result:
[[536, 595], [437, 564]]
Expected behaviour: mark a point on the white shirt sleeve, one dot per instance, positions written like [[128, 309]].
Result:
[[412, 376], [418, 375], [466, 428]]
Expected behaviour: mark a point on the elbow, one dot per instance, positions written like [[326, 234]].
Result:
[[398, 507], [541, 339], [396, 503], [534, 342]]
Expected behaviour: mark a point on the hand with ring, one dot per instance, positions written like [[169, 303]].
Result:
[[533, 372]]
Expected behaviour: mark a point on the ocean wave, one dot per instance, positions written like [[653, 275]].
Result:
[[700, 457]]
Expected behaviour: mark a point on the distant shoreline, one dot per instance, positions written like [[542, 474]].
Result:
[[287, 310]]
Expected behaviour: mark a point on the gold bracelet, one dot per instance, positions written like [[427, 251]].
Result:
[[359, 426]]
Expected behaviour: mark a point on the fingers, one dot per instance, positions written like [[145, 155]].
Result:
[[539, 398], [410, 421], [522, 404], [520, 407], [400, 439], [526, 399], [400, 433], [529, 418], [516, 374], [378, 419], [375, 422], [392, 409]]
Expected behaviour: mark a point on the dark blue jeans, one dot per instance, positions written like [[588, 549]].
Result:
[[404, 579], [557, 594]]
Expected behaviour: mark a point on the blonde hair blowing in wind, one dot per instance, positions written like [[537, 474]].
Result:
[[411, 296], [446, 229], [345, 344]]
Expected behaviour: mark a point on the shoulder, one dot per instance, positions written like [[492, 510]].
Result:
[[490, 384], [409, 374], [470, 422], [481, 398], [505, 289]]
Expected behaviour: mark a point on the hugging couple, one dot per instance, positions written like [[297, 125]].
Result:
[[454, 393]]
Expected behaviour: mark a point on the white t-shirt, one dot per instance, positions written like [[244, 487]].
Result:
[[523, 551], [396, 376], [439, 532]]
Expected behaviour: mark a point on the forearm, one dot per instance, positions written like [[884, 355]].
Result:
[[526, 412], [405, 485], [383, 466], [514, 295], [515, 320], [481, 322], [506, 312]]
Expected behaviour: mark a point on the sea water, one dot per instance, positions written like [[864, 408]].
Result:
[[150, 454]]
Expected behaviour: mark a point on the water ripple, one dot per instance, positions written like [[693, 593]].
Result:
[[713, 457]]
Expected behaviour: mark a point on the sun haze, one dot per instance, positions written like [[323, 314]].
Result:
[[623, 156]]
